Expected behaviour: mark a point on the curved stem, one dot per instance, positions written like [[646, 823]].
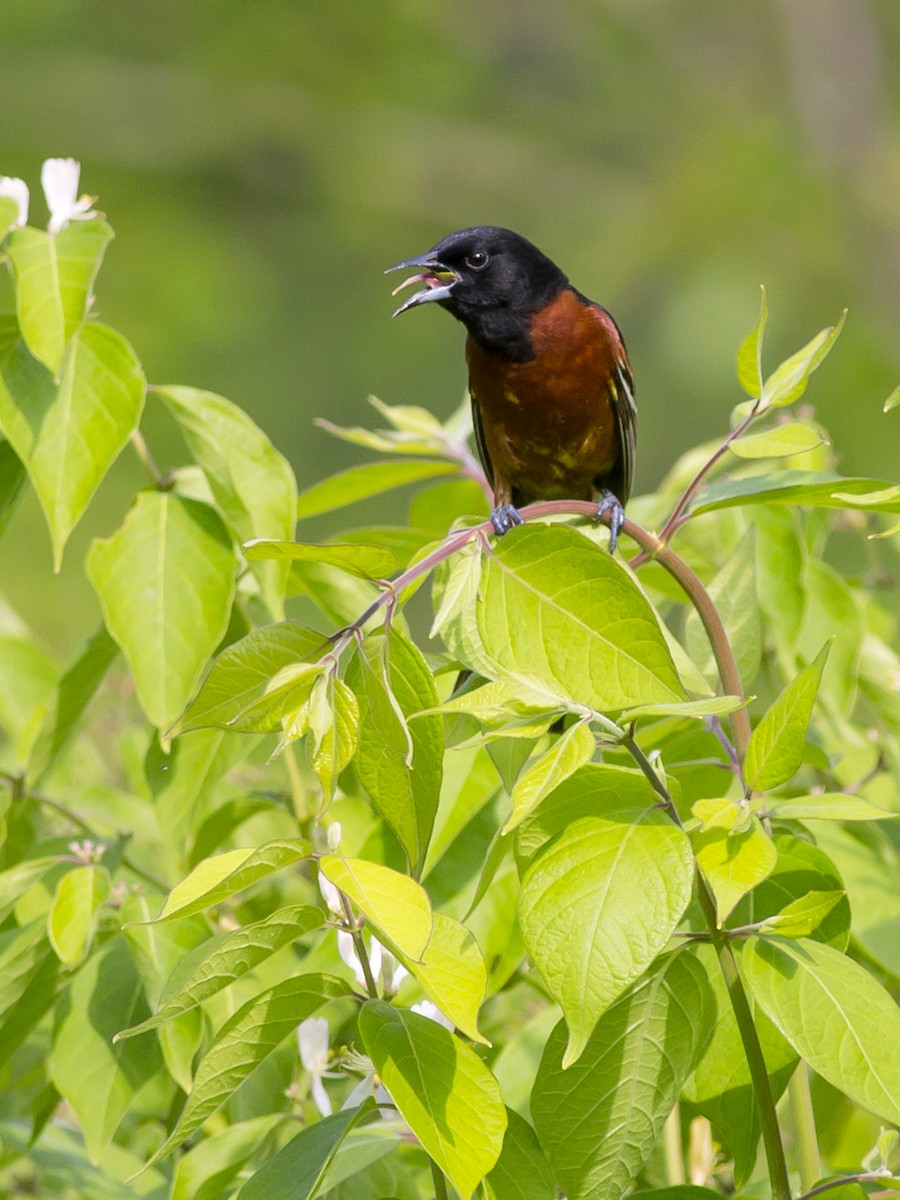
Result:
[[841, 1181]]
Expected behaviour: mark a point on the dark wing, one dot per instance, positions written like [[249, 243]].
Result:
[[480, 446], [622, 392]]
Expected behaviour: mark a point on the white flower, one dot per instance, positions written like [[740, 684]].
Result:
[[360, 1064], [313, 1036], [425, 1008], [16, 189], [333, 836], [331, 895], [59, 179], [381, 961]]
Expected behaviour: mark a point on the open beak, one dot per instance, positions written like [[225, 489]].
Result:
[[437, 278]]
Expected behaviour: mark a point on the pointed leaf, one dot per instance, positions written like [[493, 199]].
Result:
[[829, 806], [208, 1170], [598, 904], [710, 706], [779, 442], [443, 1090], [749, 357], [396, 905], [222, 875], [365, 481], [68, 432], [775, 753], [165, 581], [599, 1120], [243, 690], [835, 1015], [733, 862], [298, 1169], [252, 483], [822, 489], [242, 1043], [55, 274], [571, 750], [453, 974], [75, 912], [334, 740], [222, 959], [788, 381], [366, 562], [802, 917]]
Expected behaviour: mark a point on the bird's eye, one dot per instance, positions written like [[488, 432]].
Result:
[[477, 260]]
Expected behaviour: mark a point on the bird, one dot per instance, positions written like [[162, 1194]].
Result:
[[551, 385]]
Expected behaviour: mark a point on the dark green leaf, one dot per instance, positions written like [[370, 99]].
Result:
[[298, 1168]]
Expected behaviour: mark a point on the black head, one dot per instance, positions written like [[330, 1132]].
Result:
[[489, 278]]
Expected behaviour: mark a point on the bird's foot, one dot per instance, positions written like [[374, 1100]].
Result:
[[505, 517], [610, 504]]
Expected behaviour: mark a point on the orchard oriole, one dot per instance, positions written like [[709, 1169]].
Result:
[[551, 386]]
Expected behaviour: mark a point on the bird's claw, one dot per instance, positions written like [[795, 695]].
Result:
[[610, 504], [505, 517]]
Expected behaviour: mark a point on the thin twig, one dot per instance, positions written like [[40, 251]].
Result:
[[861, 1177]]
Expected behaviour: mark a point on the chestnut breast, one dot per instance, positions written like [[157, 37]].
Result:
[[549, 424]]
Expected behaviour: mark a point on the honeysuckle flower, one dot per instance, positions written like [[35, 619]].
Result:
[[333, 836], [331, 895], [381, 961], [369, 1085], [313, 1038], [59, 179], [425, 1008], [16, 189]]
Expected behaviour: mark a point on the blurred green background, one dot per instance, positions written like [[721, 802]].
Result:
[[263, 161]]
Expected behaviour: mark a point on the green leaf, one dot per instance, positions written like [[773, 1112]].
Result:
[[733, 591], [251, 482], [69, 431], [598, 905], [802, 917], [9, 212], [892, 401], [12, 476], [245, 689], [822, 489], [443, 1090], [829, 806], [571, 750], [333, 716], [780, 441], [396, 905], [599, 1120], [15, 881], [242, 1043], [99, 1080], [521, 1172], [298, 1169], [400, 765], [362, 1148], [459, 588], [775, 752], [222, 875], [365, 481], [710, 706], [22, 949], [55, 275], [749, 356], [453, 974], [75, 912], [549, 586], [222, 959], [208, 1170], [165, 581], [733, 863], [73, 694], [835, 1015], [788, 381], [366, 562]]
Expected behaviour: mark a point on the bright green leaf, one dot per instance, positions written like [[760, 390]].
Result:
[[9, 212], [367, 562], [710, 706], [453, 974], [599, 1119], [780, 441], [75, 912], [443, 1090], [598, 905], [245, 689], [69, 431], [775, 752], [835, 1015], [788, 381], [365, 481], [733, 591], [571, 750], [459, 587], [892, 401], [208, 1170], [819, 488], [165, 581], [829, 806], [298, 1169], [733, 863], [749, 356], [802, 917], [220, 960], [334, 723], [396, 905], [242, 1043], [55, 275], [222, 875]]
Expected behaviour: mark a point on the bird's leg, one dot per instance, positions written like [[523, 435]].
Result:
[[610, 504], [505, 517]]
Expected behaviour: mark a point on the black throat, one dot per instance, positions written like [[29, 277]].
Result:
[[505, 330]]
